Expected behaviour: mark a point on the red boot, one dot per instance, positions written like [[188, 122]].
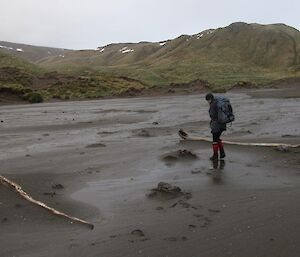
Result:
[[215, 149], [221, 148]]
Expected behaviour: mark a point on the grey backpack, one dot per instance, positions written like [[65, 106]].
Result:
[[225, 112]]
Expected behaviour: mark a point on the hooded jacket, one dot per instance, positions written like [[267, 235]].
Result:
[[216, 127]]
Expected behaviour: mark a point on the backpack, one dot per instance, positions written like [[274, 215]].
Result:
[[225, 112]]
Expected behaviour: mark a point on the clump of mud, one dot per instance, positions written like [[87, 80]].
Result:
[[166, 190], [180, 155]]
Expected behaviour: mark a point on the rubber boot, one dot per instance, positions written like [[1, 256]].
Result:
[[215, 150], [221, 148]]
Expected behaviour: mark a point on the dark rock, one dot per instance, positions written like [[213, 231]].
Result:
[[58, 186], [137, 232], [187, 154], [182, 133], [168, 188]]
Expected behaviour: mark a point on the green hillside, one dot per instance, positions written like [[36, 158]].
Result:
[[216, 59], [24, 81], [252, 52]]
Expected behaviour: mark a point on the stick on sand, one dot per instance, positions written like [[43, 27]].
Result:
[[10, 184], [185, 136]]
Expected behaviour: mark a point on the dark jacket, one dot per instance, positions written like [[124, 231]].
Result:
[[215, 126]]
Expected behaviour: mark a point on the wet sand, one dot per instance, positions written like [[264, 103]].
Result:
[[109, 154]]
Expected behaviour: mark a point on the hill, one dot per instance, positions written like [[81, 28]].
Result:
[[240, 51], [21, 80], [239, 55], [31, 53]]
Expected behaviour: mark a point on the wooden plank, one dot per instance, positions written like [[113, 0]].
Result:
[[185, 136]]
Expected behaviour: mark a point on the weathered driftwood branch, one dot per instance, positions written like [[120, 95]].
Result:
[[185, 136], [12, 185]]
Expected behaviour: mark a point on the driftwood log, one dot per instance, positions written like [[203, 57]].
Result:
[[185, 136], [18, 189]]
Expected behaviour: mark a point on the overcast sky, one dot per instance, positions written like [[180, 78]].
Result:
[[81, 24]]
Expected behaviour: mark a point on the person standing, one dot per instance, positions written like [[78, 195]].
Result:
[[217, 127]]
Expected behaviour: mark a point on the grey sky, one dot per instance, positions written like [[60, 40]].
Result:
[[81, 24]]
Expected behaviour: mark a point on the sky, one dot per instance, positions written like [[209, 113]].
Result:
[[87, 24]]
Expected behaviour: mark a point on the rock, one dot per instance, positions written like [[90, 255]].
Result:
[[182, 133], [168, 191], [187, 154], [180, 155], [58, 186], [168, 188], [137, 232]]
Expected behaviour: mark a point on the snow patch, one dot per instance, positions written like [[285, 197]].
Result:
[[19, 50], [62, 56], [101, 50], [6, 47], [162, 43], [200, 36], [123, 49], [127, 51]]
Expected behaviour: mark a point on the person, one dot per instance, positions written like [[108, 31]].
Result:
[[216, 128]]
